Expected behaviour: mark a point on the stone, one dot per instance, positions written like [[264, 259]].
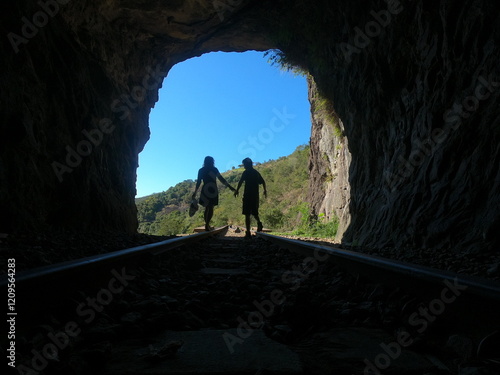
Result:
[[131, 317], [494, 269], [461, 346], [170, 301], [482, 370]]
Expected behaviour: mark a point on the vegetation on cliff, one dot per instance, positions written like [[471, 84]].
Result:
[[284, 210]]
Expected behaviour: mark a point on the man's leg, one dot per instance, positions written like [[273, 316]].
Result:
[[259, 224], [256, 215]]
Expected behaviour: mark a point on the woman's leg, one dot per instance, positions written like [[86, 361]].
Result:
[[209, 213]]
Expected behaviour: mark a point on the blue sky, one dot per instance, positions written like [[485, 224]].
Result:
[[226, 105]]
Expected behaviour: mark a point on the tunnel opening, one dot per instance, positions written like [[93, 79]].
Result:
[[229, 106], [232, 105]]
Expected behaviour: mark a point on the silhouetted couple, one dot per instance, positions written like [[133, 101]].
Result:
[[209, 196]]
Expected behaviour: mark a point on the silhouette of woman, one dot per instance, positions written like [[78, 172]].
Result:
[[209, 196]]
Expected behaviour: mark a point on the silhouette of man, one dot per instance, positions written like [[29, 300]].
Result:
[[252, 179], [209, 196]]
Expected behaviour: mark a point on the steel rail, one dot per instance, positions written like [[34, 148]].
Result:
[[86, 264], [394, 272]]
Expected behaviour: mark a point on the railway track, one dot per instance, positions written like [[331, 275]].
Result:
[[217, 303]]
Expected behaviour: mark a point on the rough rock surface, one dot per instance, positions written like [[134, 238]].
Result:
[[414, 83], [329, 189]]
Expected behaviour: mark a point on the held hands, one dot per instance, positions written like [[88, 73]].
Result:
[[235, 191]]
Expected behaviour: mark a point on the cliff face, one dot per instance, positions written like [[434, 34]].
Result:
[[329, 189], [413, 87]]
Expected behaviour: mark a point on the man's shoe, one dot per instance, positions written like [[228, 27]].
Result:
[[259, 227], [248, 235]]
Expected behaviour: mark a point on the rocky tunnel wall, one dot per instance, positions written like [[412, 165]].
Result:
[[79, 79], [414, 86]]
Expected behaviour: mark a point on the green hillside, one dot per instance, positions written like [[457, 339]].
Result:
[[284, 210]]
